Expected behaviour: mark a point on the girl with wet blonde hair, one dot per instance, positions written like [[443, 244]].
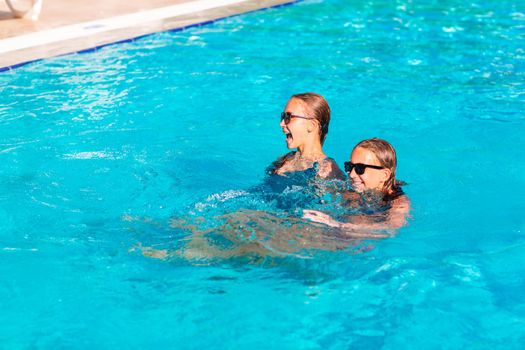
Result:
[[372, 174]]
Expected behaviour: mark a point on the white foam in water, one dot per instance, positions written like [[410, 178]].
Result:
[[222, 197], [7, 150], [414, 62], [226, 195], [12, 249], [90, 155], [452, 29]]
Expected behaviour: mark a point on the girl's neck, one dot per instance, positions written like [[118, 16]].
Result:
[[311, 152]]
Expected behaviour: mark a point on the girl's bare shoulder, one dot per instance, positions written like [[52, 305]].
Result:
[[328, 169], [279, 165]]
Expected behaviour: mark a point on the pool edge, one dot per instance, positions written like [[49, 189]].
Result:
[[187, 24]]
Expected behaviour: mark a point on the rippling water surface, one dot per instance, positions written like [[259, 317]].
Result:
[[101, 151]]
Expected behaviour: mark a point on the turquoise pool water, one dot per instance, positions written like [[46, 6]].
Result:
[[100, 150]]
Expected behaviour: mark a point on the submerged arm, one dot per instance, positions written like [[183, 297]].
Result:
[[365, 226]]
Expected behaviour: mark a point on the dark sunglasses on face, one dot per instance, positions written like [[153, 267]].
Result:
[[287, 116], [359, 167]]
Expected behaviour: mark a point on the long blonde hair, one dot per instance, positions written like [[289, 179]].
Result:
[[386, 155]]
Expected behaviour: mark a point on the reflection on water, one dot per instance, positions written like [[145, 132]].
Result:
[[100, 151]]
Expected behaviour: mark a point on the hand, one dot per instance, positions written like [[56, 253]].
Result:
[[349, 230], [320, 217]]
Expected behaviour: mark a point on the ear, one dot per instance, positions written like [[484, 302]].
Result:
[[313, 125], [385, 174]]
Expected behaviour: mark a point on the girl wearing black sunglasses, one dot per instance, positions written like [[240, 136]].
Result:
[[305, 122], [372, 171]]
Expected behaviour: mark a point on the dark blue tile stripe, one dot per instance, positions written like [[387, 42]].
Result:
[[179, 29]]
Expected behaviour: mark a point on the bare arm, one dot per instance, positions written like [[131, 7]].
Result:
[[365, 227]]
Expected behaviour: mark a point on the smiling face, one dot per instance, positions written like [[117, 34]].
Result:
[[371, 179], [299, 130]]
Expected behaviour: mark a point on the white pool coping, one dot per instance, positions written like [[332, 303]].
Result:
[[94, 27], [85, 36]]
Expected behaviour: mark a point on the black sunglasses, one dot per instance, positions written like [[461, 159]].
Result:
[[359, 167], [287, 116]]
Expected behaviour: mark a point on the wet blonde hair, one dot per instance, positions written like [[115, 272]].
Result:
[[386, 155], [320, 110]]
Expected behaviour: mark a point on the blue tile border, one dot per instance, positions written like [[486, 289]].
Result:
[[173, 30]]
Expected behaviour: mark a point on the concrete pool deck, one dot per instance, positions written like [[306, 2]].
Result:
[[64, 27]]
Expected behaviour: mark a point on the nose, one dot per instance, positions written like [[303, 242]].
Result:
[[352, 174], [282, 124]]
